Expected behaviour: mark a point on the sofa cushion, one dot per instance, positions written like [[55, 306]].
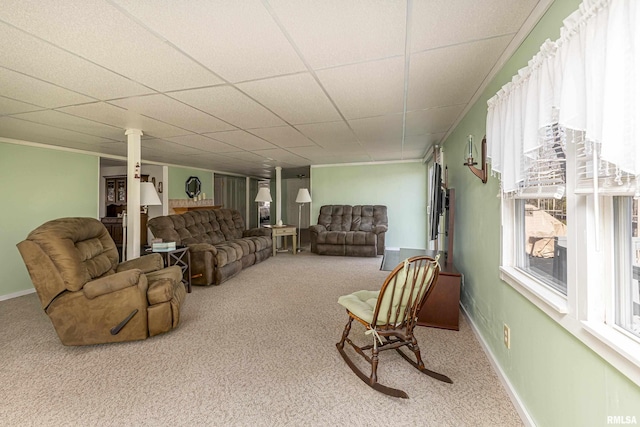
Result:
[[360, 238], [231, 223], [332, 237], [228, 252]]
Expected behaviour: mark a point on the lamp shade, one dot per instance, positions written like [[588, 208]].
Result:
[[264, 195], [148, 195], [303, 196]]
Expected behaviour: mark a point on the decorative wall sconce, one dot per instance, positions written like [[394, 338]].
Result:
[[470, 150]]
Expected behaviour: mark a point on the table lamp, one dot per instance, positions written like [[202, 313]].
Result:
[[263, 196]]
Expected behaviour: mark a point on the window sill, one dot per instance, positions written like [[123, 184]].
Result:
[[533, 290], [614, 346], [620, 342]]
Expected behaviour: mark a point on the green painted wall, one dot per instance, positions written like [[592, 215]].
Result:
[[178, 177], [560, 381], [37, 185], [402, 187]]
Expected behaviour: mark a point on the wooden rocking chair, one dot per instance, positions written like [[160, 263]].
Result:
[[390, 315]]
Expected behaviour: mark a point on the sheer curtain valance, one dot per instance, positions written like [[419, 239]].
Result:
[[585, 84]]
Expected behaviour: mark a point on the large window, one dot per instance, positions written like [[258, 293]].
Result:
[[542, 233], [566, 127], [627, 293]]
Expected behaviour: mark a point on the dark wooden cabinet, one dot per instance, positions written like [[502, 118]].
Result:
[[442, 308], [115, 193], [115, 228]]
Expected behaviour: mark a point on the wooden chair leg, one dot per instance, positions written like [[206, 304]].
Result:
[[373, 379], [345, 333], [416, 350]]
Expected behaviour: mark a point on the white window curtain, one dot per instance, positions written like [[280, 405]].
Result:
[[588, 84]]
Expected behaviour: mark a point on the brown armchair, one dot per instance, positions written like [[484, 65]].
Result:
[[89, 296]]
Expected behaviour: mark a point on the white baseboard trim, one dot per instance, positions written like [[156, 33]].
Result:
[[17, 294], [515, 399]]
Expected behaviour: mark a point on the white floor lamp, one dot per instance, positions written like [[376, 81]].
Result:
[[302, 198]]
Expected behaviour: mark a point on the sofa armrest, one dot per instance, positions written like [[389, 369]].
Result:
[[257, 232], [112, 283], [380, 228], [317, 228], [203, 247], [147, 263]]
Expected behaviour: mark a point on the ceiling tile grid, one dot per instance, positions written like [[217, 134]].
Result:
[[245, 86]]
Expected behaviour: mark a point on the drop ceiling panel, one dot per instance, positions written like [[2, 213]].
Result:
[[296, 98], [113, 148], [432, 120], [281, 155], [241, 139], [28, 131], [366, 89], [60, 59], [283, 136], [423, 141], [24, 53], [111, 115], [67, 121], [450, 76], [335, 32], [33, 91], [242, 40], [445, 22], [99, 32], [10, 106], [168, 110], [319, 155], [157, 145], [382, 128], [247, 156], [203, 143], [329, 157], [230, 105], [330, 133]]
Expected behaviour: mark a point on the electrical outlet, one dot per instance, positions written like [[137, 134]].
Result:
[[507, 336]]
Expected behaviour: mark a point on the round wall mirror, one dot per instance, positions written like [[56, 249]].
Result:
[[192, 186]]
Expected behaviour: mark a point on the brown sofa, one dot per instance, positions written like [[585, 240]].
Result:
[[89, 296], [219, 245], [350, 230]]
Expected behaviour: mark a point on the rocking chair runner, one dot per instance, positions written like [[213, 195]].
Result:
[[390, 315]]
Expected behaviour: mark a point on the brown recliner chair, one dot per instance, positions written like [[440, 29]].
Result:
[[90, 297]]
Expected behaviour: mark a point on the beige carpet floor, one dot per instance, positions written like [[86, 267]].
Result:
[[259, 350]]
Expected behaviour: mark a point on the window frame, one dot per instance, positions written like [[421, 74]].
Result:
[[588, 310]]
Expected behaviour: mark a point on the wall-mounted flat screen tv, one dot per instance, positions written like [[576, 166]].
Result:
[[437, 200]]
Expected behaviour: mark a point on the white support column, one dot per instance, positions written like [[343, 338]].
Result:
[[247, 213], [165, 190], [278, 194], [133, 192]]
